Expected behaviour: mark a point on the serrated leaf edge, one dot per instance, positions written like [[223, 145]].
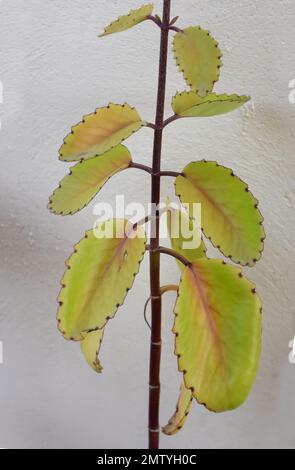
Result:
[[255, 207], [87, 116], [64, 286], [82, 161], [252, 288], [182, 421], [234, 98], [220, 64], [96, 364], [134, 10]]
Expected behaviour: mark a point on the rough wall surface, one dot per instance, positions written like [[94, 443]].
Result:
[[54, 70]]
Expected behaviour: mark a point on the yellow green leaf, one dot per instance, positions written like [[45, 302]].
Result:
[[90, 347], [182, 411], [100, 272], [198, 57], [184, 236], [133, 18], [217, 333], [86, 179], [230, 215], [101, 131], [189, 104]]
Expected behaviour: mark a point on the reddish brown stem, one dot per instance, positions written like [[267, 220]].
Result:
[[140, 166], [156, 303], [148, 169]]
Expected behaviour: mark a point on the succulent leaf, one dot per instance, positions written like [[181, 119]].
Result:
[[179, 418], [189, 104], [90, 347], [133, 18], [100, 273], [182, 231], [101, 131], [86, 179], [217, 333], [230, 216], [198, 58]]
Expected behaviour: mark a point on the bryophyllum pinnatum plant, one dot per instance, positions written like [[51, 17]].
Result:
[[217, 324]]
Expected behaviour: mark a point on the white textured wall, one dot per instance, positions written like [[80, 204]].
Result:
[[54, 70]]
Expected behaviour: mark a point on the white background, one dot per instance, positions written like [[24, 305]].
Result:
[[54, 70]]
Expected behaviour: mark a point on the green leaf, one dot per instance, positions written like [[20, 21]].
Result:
[[133, 18], [198, 57], [100, 272], [189, 104], [101, 131], [218, 333], [178, 224], [182, 411], [183, 233], [90, 347], [230, 215], [86, 179]]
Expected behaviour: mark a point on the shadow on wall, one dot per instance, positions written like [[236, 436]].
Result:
[[273, 130]]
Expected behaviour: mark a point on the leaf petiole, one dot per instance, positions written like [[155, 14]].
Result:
[[167, 251], [155, 19]]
